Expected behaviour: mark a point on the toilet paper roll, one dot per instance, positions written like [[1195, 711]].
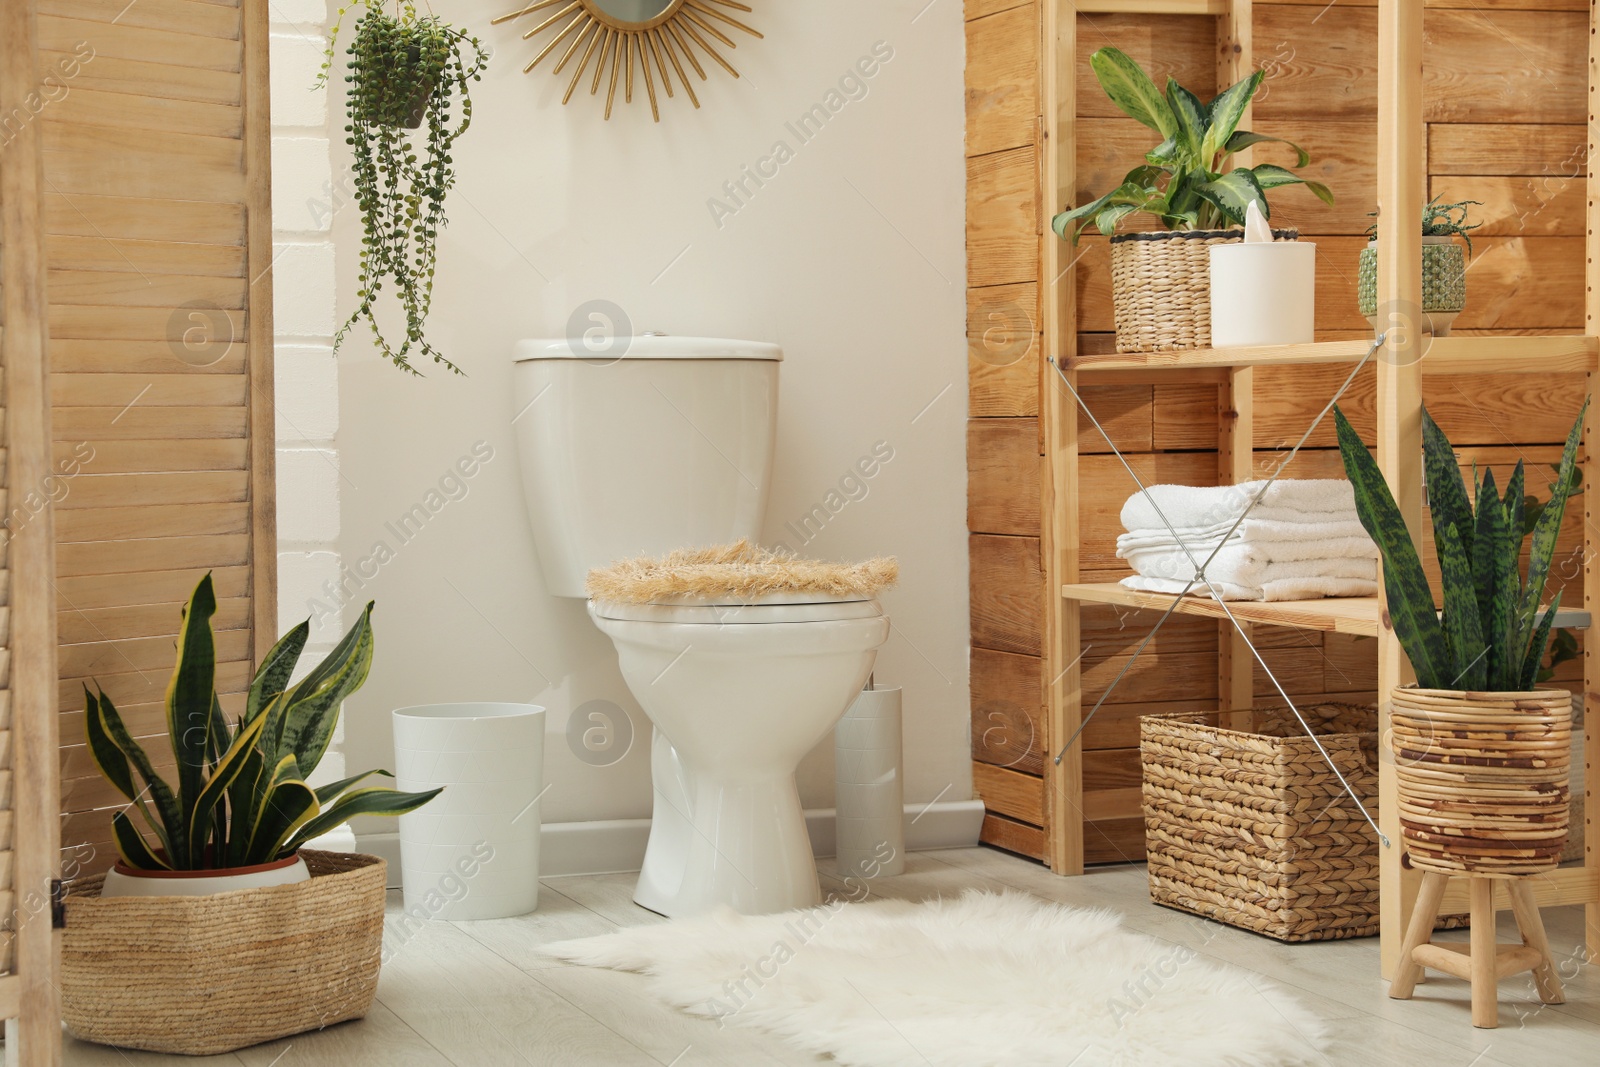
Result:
[[869, 796], [1263, 294]]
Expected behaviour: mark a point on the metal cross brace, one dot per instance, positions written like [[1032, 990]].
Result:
[[1200, 572]]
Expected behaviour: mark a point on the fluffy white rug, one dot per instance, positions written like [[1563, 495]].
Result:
[[988, 979]]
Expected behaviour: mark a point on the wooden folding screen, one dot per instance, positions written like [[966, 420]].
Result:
[[136, 349], [29, 834], [158, 229]]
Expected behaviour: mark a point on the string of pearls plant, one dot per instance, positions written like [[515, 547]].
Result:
[[406, 72]]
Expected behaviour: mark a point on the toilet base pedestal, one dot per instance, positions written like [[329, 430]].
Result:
[[742, 844]]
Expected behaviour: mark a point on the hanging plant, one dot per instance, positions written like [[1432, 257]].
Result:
[[406, 71]]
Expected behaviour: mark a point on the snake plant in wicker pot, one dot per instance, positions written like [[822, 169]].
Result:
[[1161, 280], [239, 796], [218, 930], [1481, 754]]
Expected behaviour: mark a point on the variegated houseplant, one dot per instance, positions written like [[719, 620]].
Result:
[[1188, 184], [240, 798], [1185, 181]]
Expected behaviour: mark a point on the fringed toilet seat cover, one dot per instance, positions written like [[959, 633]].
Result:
[[739, 573]]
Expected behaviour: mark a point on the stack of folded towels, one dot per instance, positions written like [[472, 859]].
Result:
[[1303, 539]]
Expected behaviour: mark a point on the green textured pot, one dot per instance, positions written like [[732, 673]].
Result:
[[1444, 282]]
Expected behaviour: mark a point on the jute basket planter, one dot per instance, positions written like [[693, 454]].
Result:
[[1253, 828], [206, 975], [1161, 287], [1482, 779]]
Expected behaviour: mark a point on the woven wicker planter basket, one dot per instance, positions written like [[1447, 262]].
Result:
[[205, 975], [1482, 779], [1253, 829], [1161, 287]]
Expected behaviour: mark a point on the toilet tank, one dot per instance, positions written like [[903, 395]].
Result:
[[668, 446]]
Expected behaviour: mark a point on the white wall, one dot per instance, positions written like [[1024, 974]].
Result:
[[307, 378], [851, 257]]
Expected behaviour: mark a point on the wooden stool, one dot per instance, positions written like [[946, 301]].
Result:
[[1485, 962]]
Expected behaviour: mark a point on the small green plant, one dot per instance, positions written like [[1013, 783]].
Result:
[[1185, 181], [1491, 635], [406, 71], [241, 798], [1441, 220]]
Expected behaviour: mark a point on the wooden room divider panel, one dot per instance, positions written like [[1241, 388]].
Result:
[[158, 228], [29, 830]]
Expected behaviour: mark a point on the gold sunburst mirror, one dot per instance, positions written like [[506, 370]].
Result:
[[658, 38]]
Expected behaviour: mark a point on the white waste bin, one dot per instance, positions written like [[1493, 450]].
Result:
[[473, 851]]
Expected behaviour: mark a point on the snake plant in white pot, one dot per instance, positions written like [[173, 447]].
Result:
[[239, 808], [1161, 279], [217, 929]]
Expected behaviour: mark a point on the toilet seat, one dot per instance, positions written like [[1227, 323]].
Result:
[[773, 608]]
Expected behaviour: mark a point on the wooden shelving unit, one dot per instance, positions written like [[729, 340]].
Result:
[[1406, 361]]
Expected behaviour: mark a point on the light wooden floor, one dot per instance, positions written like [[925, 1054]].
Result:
[[474, 994]]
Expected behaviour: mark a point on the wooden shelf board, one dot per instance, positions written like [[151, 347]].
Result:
[[1567, 885], [1573, 354], [1271, 355], [1444, 355], [1152, 7], [1345, 615]]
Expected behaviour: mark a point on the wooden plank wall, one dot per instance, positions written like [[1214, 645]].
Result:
[[1505, 104], [158, 234]]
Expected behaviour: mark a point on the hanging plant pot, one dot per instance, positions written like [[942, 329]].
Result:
[[408, 71], [403, 88], [1161, 287], [1483, 779], [1444, 283]]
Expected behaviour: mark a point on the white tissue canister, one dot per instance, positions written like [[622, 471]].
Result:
[[1263, 294], [869, 800]]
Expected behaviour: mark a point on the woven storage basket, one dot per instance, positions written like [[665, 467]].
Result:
[[1483, 779], [205, 975], [1253, 829], [1161, 287]]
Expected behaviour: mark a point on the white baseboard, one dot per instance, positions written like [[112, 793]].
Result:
[[615, 845]]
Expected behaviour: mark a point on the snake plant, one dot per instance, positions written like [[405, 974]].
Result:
[[1491, 636], [240, 797], [1184, 181]]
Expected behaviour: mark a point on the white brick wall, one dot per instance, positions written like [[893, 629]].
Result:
[[307, 381]]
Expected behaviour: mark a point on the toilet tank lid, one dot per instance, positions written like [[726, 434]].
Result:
[[647, 346]]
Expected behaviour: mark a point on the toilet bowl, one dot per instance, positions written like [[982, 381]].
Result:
[[738, 694]]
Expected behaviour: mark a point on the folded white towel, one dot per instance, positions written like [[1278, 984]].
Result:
[[1257, 564], [1249, 531], [1188, 505], [1286, 589]]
